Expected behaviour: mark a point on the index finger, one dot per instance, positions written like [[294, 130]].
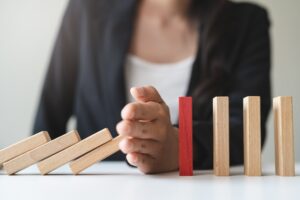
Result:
[[146, 93], [141, 111]]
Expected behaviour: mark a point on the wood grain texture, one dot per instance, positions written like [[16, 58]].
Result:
[[95, 156], [284, 136], [252, 136], [221, 136], [276, 141], [41, 152], [185, 136], [74, 151], [23, 146]]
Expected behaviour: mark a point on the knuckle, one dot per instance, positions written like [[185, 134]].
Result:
[[132, 108], [143, 145], [138, 145], [160, 110], [167, 109], [151, 87], [164, 110], [144, 128]]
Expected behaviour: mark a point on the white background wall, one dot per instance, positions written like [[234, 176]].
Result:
[[28, 29]]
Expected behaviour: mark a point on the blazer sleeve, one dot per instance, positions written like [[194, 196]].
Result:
[[57, 97], [251, 78]]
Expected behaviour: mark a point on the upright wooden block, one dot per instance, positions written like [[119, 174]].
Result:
[[23, 146], [41, 152], [185, 136], [284, 138], [74, 151], [221, 136], [252, 136], [95, 156]]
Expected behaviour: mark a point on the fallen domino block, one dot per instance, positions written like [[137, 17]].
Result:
[[221, 136], [74, 151], [252, 136], [185, 137], [41, 152], [23, 146], [96, 155], [284, 136]]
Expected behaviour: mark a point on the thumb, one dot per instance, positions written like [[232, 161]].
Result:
[[145, 94]]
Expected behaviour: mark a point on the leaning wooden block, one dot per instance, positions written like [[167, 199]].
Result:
[[284, 137], [96, 155], [41, 152], [221, 136], [74, 151], [252, 136], [23, 146], [185, 136]]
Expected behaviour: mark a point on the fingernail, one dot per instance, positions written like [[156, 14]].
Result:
[[134, 158], [131, 159], [140, 91], [125, 114], [126, 128], [118, 128], [122, 144]]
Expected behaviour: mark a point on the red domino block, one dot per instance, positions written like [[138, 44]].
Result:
[[185, 137]]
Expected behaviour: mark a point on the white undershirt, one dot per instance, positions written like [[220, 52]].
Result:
[[171, 79]]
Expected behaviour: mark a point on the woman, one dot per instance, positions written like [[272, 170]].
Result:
[[199, 48]]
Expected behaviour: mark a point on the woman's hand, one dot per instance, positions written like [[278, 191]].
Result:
[[150, 142]]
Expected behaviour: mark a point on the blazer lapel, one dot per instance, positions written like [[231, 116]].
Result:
[[115, 44]]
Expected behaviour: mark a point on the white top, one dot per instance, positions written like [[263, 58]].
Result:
[[116, 180], [171, 79]]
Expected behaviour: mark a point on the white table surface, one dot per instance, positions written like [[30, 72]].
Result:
[[115, 180]]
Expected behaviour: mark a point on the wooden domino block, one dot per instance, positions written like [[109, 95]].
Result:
[[95, 156], [23, 146], [185, 136], [41, 152], [221, 136], [284, 138], [74, 151], [252, 136]]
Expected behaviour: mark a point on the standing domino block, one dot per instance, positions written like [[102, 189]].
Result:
[[95, 156], [23, 146], [74, 151], [284, 138], [252, 136], [41, 152], [221, 136], [185, 136]]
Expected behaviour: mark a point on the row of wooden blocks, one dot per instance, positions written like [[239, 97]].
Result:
[[283, 130], [51, 154]]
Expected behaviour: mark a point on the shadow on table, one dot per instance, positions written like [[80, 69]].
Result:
[[197, 173], [70, 174]]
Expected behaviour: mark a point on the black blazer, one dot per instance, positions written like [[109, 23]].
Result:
[[85, 76]]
